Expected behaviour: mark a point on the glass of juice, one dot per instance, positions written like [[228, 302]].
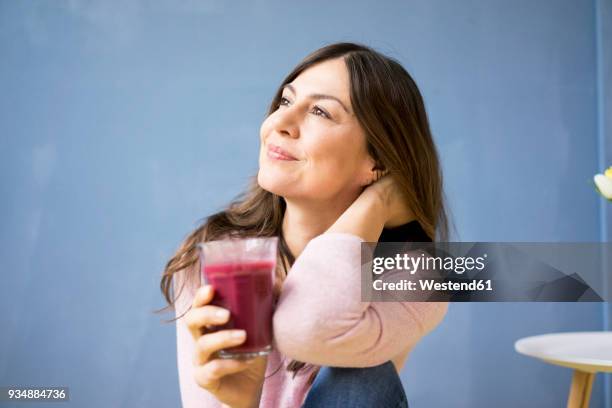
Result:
[[241, 271]]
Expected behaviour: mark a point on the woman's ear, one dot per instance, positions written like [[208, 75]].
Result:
[[372, 172], [367, 173], [380, 172]]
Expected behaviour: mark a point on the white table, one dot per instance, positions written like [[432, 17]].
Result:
[[586, 352]]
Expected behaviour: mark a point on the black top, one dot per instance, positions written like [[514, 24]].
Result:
[[409, 232]]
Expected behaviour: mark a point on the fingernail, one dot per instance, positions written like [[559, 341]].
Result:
[[222, 314], [238, 334]]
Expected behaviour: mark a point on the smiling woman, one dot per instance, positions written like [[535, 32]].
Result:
[[346, 156]]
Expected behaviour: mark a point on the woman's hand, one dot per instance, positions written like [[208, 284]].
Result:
[[235, 383], [394, 205], [379, 205]]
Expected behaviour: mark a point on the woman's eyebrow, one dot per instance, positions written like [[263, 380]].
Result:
[[319, 96]]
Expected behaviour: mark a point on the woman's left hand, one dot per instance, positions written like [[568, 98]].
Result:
[[387, 191], [381, 204]]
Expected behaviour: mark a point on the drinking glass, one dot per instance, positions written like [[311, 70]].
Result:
[[241, 271]]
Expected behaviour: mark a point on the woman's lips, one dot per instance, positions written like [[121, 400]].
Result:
[[277, 153]]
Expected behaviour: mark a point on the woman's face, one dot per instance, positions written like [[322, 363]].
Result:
[[312, 146]]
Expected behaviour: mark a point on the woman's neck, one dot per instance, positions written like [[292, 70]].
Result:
[[304, 221]]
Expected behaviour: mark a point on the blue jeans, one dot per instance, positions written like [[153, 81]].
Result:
[[336, 387]]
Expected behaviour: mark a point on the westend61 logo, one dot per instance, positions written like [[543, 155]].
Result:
[[412, 264]]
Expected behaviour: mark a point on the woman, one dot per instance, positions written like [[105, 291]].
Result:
[[346, 156]]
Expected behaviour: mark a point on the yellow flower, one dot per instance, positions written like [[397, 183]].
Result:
[[604, 183]]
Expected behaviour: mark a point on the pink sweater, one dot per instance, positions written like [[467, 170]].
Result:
[[320, 320]]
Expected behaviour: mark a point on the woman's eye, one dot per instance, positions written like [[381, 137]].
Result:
[[319, 112], [324, 114]]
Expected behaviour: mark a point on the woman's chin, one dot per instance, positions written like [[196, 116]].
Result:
[[273, 184]]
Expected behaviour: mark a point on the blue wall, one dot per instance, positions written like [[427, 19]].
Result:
[[121, 126]]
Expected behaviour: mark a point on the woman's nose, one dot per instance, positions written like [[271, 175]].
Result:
[[287, 122]]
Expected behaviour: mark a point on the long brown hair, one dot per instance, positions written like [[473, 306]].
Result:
[[390, 108]]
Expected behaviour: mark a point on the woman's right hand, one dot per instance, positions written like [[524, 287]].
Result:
[[236, 383]]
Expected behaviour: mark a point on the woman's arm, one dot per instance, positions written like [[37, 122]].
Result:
[[320, 318]]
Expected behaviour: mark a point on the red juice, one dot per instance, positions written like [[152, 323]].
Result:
[[245, 289]]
